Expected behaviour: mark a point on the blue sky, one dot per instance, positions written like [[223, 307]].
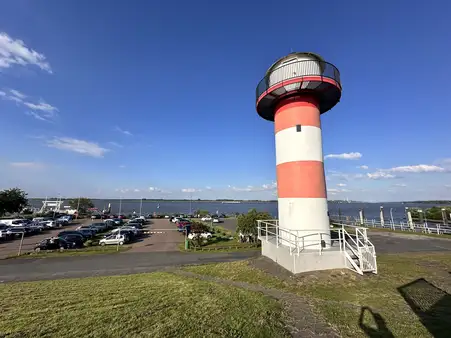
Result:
[[157, 98]]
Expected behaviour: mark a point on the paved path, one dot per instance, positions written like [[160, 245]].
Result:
[[386, 242], [25, 269], [163, 237]]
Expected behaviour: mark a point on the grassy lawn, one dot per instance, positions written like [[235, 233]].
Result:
[[152, 305], [351, 230], [90, 250], [340, 295]]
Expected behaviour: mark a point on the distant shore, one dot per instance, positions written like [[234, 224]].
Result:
[[226, 201]]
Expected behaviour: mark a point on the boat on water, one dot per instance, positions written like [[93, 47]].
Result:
[[230, 202]]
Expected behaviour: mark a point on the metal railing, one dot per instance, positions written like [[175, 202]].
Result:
[[298, 69], [352, 246], [425, 227], [294, 239]]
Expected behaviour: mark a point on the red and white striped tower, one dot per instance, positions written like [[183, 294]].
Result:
[[295, 91]]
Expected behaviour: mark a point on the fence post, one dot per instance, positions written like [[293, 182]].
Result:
[[266, 230], [21, 243], [277, 236]]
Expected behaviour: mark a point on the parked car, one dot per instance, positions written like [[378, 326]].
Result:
[[216, 220], [17, 232], [49, 224], [206, 235], [76, 240], [88, 227], [73, 232], [206, 219], [113, 239], [88, 233], [101, 226], [55, 243]]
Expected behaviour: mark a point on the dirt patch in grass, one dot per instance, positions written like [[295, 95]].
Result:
[[153, 305]]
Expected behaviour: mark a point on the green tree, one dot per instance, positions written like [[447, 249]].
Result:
[[201, 213], [82, 204], [247, 223], [12, 200]]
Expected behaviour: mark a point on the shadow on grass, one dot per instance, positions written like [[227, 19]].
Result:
[[431, 304], [381, 329]]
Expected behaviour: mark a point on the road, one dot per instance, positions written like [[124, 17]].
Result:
[[28, 269]]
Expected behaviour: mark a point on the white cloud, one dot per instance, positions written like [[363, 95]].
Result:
[[208, 188], [77, 146], [136, 190], [345, 156], [125, 132], [251, 188], [122, 166], [448, 186], [400, 185], [15, 52], [190, 190], [28, 165], [41, 110], [36, 116], [41, 106], [341, 184], [364, 167], [420, 168], [155, 189], [18, 94], [378, 175]]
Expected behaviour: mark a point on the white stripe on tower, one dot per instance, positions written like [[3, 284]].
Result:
[[301, 186]]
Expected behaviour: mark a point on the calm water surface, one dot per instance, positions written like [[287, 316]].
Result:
[[347, 209]]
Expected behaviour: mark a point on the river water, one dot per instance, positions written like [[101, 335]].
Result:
[[166, 207]]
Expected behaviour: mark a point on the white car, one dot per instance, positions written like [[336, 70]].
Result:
[[216, 220], [113, 239], [48, 224], [128, 228], [206, 219], [206, 235]]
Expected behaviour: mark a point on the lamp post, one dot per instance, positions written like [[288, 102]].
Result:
[[141, 207]]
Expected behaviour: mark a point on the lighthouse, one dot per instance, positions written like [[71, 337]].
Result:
[[295, 91]]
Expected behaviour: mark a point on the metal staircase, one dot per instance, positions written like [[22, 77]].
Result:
[[357, 250]]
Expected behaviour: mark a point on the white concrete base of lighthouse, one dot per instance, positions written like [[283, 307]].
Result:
[[308, 260], [348, 251]]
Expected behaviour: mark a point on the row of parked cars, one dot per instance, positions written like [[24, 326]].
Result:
[[112, 231], [15, 228]]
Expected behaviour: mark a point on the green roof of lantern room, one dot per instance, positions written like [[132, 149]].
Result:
[[295, 54]]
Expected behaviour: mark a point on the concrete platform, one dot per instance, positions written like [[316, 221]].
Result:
[[307, 260]]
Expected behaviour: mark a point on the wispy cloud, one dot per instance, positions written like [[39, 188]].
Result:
[[345, 156], [78, 146], [190, 190], [115, 144], [251, 188], [154, 189], [27, 165], [364, 167], [125, 132], [380, 175], [15, 52], [40, 110], [400, 185], [122, 166], [420, 168], [341, 184]]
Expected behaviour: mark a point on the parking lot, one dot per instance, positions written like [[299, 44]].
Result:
[[11, 247]]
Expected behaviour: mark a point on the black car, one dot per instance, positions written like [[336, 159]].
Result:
[[88, 233], [76, 240], [17, 232], [84, 235], [54, 244]]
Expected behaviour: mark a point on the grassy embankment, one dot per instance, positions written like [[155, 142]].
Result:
[[340, 296], [152, 305]]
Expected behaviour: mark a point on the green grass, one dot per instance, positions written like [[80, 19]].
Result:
[[151, 305], [90, 250], [339, 295], [407, 232]]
